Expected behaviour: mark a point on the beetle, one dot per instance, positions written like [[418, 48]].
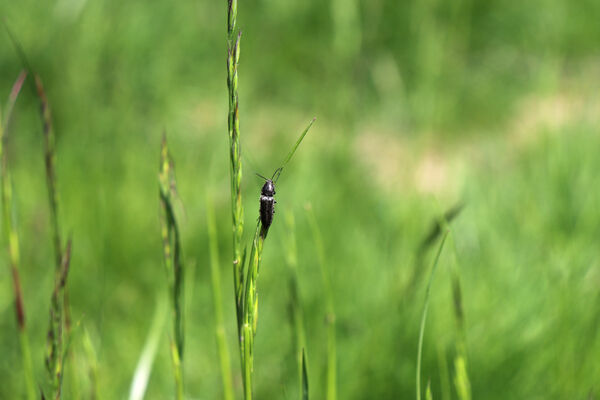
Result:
[[267, 201]]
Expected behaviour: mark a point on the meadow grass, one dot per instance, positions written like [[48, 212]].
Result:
[[215, 273], [330, 318], [59, 320], [173, 261], [12, 240], [296, 308], [424, 314], [529, 229]]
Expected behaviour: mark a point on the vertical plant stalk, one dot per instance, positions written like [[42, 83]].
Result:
[[330, 317], [215, 273], [304, 365], [249, 298], [242, 285], [461, 377], [12, 238], [56, 355], [58, 307], [235, 157], [424, 314], [250, 310], [173, 264], [92, 361], [295, 302], [49, 162], [244, 277]]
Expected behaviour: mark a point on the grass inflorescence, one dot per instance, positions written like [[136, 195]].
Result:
[[59, 324], [245, 276], [173, 262], [12, 238]]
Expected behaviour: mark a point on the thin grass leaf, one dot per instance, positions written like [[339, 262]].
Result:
[[330, 317], [433, 234], [445, 387], [172, 260], [304, 376], [293, 150], [424, 314], [215, 273], [296, 309], [92, 361], [55, 347], [462, 383], [139, 383], [12, 99], [12, 239], [428, 395]]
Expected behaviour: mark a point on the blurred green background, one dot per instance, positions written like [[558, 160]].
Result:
[[420, 105]]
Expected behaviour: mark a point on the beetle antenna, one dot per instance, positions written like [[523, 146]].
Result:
[[277, 172], [261, 176]]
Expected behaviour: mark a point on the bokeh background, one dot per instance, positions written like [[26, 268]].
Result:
[[421, 105]]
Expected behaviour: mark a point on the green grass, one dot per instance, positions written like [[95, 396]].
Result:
[[173, 260], [503, 118]]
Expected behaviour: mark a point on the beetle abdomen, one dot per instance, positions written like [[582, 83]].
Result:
[[267, 209]]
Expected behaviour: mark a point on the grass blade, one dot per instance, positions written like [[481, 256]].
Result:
[[424, 314], [330, 317], [172, 259], [12, 238], [462, 383], [215, 273], [293, 150], [304, 376], [296, 309], [139, 383]]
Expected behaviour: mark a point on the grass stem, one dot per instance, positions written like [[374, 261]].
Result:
[[215, 273], [173, 262], [12, 238], [330, 317], [424, 314]]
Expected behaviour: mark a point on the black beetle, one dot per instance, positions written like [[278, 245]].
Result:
[[267, 202]]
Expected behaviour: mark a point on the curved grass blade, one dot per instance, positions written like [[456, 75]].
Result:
[[293, 150], [424, 315], [215, 273], [13, 242], [139, 383], [304, 377], [172, 260], [330, 317]]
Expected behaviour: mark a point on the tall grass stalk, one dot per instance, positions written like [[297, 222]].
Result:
[[92, 361], [244, 276], [59, 317], [139, 383], [57, 350], [296, 309], [462, 383], [304, 381], [59, 305], [173, 261], [424, 314], [49, 162], [215, 273], [248, 300], [330, 317], [235, 157], [12, 239]]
